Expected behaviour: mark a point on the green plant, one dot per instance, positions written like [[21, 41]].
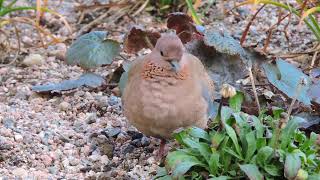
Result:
[[302, 12], [242, 145]]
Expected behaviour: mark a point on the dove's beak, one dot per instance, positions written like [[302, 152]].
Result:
[[175, 65]]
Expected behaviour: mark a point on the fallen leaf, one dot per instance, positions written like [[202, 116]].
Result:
[[92, 50], [139, 38], [89, 79]]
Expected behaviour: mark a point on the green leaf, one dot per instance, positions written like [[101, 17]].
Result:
[[286, 78], [251, 145], [226, 113], [272, 170], [232, 134], [251, 171], [180, 162], [258, 126], [214, 163], [261, 142], [231, 152], [92, 50], [217, 138], [264, 155], [161, 172], [236, 101], [220, 178], [199, 133], [292, 165], [287, 133]]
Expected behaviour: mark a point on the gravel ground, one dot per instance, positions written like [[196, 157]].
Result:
[[82, 133]]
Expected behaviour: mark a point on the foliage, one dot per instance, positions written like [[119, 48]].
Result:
[[88, 51], [244, 146], [303, 12], [9, 8], [92, 50]]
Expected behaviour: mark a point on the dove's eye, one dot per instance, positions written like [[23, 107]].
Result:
[[161, 52]]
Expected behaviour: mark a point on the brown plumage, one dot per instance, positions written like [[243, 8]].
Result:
[[167, 89]]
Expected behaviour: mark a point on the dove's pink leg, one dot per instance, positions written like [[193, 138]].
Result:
[[161, 152]]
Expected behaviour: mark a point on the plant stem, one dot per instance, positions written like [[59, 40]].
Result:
[[193, 12], [254, 88]]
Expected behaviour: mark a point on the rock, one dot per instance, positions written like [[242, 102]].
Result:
[[106, 149], [91, 118], [46, 159], [104, 160], [94, 157], [20, 172], [113, 100], [128, 149], [18, 138], [142, 142], [135, 135], [53, 170], [102, 101], [8, 123], [64, 106], [33, 59], [111, 132], [73, 161]]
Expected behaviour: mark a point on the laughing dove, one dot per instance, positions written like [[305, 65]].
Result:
[[166, 90]]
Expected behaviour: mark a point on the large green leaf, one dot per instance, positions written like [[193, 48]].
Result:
[[236, 101], [251, 145], [292, 165], [286, 78], [264, 155], [251, 171], [92, 50], [199, 133], [214, 163], [180, 162], [288, 132]]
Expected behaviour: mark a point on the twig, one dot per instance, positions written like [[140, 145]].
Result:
[[314, 57], [254, 88], [302, 82], [144, 5], [19, 47], [109, 5], [246, 30], [92, 23], [270, 30]]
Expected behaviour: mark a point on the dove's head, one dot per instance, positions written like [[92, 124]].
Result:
[[170, 48]]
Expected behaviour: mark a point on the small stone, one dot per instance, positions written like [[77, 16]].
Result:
[[18, 138], [128, 149], [46, 159], [91, 118], [135, 135], [53, 170], [94, 157], [104, 160], [8, 123], [64, 106], [20, 172], [113, 100], [33, 59], [73, 161], [111, 132]]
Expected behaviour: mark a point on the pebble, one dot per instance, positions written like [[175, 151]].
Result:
[[73, 161], [18, 138], [91, 118], [111, 132], [33, 59], [64, 106], [20, 172], [46, 159]]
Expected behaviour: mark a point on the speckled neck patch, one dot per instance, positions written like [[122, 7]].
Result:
[[151, 70]]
